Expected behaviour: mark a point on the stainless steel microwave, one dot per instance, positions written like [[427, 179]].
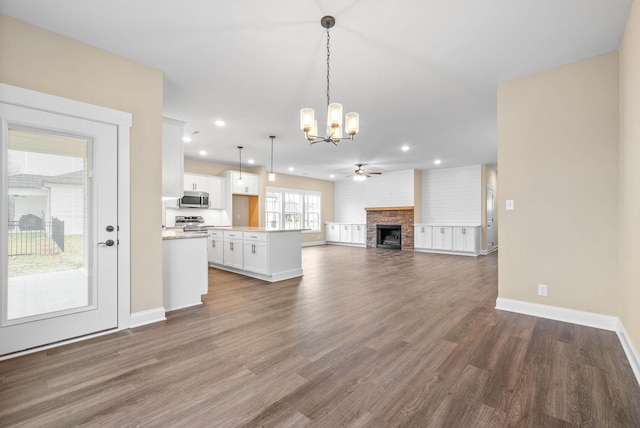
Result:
[[193, 199]]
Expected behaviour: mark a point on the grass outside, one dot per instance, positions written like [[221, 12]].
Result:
[[71, 258]]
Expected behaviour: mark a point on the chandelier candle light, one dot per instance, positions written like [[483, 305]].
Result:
[[334, 110]]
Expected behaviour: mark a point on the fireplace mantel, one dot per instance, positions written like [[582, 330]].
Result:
[[389, 209]]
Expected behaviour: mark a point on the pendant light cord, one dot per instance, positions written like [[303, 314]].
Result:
[[328, 68]]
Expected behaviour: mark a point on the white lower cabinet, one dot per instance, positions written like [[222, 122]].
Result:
[[442, 238], [448, 238], [346, 233], [256, 252], [233, 250], [464, 239], [359, 234], [332, 232], [215, 247], [267, 255], [422, 237]]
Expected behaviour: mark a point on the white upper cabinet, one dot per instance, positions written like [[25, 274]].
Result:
[[172, 158], [250, 184], [195, 182], [216, 193]]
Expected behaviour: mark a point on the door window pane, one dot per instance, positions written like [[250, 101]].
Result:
[[47, 180]]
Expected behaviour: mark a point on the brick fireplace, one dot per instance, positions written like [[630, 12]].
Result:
[[402, 216]]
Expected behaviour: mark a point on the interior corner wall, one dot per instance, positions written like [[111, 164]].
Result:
[[558, 157], [40, 60], [629, 203]]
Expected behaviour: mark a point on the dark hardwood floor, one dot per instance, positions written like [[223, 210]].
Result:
[[367, 338]]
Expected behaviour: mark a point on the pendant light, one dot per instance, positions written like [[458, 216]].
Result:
[[272, 175], [334, 110], [240, 164]]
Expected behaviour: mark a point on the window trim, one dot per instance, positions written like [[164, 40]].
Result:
[[302, 193]]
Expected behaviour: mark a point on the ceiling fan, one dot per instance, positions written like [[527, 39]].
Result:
[[360, 174]]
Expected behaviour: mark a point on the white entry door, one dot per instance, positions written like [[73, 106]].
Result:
[[58, 228]]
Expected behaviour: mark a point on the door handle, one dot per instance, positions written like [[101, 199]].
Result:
[[108, 243]]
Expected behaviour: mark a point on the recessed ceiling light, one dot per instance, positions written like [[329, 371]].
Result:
[[437, 161], [251, 161], [202, 152], [186, 139], [405, 148], [291, 168], [332, 176], [219, 123]]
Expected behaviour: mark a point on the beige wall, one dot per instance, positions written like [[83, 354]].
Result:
[[417, 195], [304, 183], [558, 157], [489, 178], [36, 59], [282, 180], [629, 208]]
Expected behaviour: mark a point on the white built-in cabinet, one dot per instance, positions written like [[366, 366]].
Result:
[[172, 158], [332, 232], [441, 236], [346, 233], [423, 237], [447, 238], [464, 239], [250, 184], [359, 234]]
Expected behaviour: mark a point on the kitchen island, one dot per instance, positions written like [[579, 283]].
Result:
[[269, 255], [185, 276]]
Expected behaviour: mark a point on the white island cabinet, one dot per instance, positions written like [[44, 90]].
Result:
[[270, 255], [185, 277]]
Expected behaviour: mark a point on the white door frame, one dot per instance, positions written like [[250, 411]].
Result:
[[53, 104]]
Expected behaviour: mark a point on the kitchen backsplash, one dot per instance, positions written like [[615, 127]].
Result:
[[211, 217]]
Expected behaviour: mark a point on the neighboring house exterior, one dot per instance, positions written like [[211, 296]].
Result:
[[61, 196]]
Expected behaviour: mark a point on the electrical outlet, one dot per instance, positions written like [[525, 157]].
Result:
[[542, 290]]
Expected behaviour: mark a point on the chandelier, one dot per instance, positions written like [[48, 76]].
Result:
[[334, 110]]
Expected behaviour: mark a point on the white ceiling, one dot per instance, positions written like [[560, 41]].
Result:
[[419, 72]]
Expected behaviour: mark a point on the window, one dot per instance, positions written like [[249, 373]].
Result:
[[293, 209]]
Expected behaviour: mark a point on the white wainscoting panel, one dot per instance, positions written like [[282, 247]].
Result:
[[452, 195]]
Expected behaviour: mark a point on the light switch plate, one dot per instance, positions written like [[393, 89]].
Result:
[[510, 205]]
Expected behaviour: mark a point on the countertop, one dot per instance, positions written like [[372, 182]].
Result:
[[180, 234], [253, 229]]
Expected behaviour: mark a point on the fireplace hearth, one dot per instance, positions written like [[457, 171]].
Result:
[[389, 236]]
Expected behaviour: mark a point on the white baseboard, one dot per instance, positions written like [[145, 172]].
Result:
[[147, 317], [485, 252], [313, 243], [629, 350], [589, 319]]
